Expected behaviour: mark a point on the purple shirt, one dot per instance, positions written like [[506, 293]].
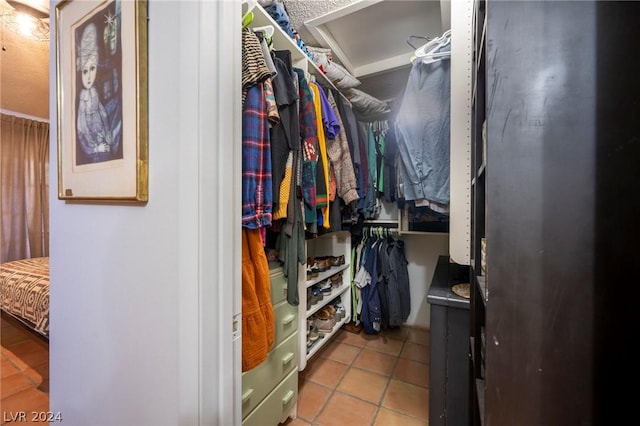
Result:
[[329, 120]]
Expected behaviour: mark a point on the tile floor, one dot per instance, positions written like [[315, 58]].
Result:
[[359, 379], [354, 380], [24, 373]]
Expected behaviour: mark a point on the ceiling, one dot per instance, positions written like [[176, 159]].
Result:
[[369, 37], [24, 69]]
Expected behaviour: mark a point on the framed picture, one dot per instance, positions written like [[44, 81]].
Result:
[[101, 67]]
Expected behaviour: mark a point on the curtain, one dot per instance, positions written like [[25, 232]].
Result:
[[24, 188]]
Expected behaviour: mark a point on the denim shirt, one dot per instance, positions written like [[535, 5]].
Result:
[[423, 132]]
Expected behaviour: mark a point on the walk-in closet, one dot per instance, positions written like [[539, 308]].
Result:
[[348, 195], [209, 304]]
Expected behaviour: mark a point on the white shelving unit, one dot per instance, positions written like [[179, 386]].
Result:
[[332, 244], [282, 41]]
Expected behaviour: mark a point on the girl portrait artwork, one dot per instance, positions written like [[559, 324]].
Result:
[[98, 61]]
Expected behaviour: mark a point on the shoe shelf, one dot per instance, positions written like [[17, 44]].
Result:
[[324, 337], [327, 298], [324, 275], [331, 245]]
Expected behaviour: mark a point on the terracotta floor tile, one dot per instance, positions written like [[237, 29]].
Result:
[[10, 334], [364, 385], [14, 384], [388, 417], [340, 351], [419, 336], [397, 333], [407, 399], [25, 375], [413, 372], [35, 374], [325, 372], [18, 363], [7, 367], [376, 362], [295, 422], [44, 386], [359, 340], [385, 345], [311, 399], [28, 400], [345, 410], [415, 352], [31, 353]]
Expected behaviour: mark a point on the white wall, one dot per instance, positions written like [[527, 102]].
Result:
[[422, 252], [141, 308]]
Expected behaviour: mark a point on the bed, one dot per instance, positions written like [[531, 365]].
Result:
[[24, 292]]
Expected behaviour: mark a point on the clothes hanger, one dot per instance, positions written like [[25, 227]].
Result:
[[427, 52], [416, 36], [268, 30], [247, 17]]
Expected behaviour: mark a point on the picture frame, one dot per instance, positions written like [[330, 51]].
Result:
[[102, 100]]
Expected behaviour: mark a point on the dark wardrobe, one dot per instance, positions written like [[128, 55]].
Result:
[[557, 195]]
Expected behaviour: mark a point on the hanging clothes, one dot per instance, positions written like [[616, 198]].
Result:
[[423, 131], [258, 321], [310, 151], [322, 171], [390, 184], [340, 157], [254, 66], [257, 193], [291, 242], [284, 134], [382, 279]]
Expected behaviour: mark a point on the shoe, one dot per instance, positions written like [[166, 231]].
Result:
[[324, 325], [331, 310], [323, 263], [323, 321], [340, 312], [336, 280], [312, 270], [313, 334], [332, 314], [318, 294], [309, 299], [332, 260], [337, 260], [326, 286]]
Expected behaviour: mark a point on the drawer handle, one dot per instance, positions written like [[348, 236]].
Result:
[[246, 395], [287, 320], [287, 359], [287, 397]]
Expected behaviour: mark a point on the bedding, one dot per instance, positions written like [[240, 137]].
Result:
[[24, 292]]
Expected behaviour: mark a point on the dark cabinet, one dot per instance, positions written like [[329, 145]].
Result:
[[557, 198], [449, 342]]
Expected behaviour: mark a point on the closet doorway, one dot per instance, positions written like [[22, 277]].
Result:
[[24, 78]]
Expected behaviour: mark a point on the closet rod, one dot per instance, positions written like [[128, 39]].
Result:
[[381, 222]]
